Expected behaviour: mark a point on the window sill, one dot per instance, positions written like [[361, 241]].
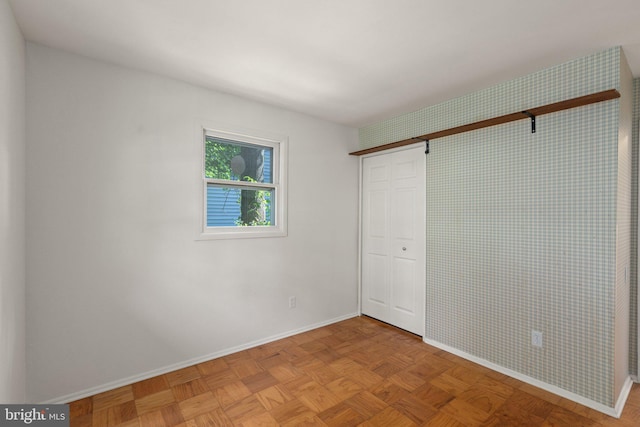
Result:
[[241, 233]]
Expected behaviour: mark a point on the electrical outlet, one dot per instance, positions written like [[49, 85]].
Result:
[[536, 338], [292, 302]]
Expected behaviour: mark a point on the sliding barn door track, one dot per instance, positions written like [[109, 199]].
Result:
[[530, 113]]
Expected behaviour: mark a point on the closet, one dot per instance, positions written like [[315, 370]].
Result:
[[393, 237]]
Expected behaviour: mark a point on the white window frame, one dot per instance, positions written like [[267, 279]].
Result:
[[279, 187]]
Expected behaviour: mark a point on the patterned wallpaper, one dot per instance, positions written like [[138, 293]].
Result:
[[583, 76], [521, 227]]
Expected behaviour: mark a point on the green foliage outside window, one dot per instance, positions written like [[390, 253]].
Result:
[[254, 204], [218, 159]]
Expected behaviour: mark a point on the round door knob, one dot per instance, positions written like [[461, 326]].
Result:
[[404, 248]]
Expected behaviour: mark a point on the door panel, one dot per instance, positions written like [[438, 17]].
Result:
[[404, 169], [377, 212], [379, 173], [404, 286], [393, 227], [377, 273], [404, 202]]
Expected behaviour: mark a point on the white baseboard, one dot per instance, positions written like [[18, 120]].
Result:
[[613, 412], [160, 371], [624, 394]]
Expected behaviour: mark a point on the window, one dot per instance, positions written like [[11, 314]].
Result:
[[244, 191]]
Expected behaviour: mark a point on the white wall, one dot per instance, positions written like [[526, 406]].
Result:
[[12, 208], [117, 284]]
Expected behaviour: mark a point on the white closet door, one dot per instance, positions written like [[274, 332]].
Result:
[[393, 238]]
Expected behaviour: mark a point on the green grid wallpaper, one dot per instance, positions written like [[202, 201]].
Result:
[[520, 237], [521, 227], [583, 76]]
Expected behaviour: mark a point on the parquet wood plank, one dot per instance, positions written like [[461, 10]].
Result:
[[150, 386], [482, 399], [301, 385], [319, 399], [221, 378], [249, 407], [166, 416], [198, 405], [465, 412], [212, 367], [344, 388], [341, 415], [345, 365], [294, 353], [215, 418], [387, 368], [466, 375], [450, 384], [366, 404], [406, 380], [272, 361], [292, 412], [81, 407], [389, 417], [495, 387], [85, 420], [444, 420], [308, 363], [504, 417], [183, 376], [542, 394], [359, 372], [115, 415], [263, 351], [560, 417], [529, 403], [113, 397], [327, 355], [259, 381], [154, 401], [245, 368], [273, 397], [365, 377], [323, 374], [190, 389], [231, 393], [389, 392], [434, 395], [285, 372], [415, 409], [262, 420]]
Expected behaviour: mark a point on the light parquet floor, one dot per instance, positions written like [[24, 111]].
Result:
[[356, 372]]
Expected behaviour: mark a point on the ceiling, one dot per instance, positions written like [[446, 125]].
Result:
[[349, 61]]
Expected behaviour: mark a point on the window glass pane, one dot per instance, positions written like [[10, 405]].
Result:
[[236, 161], [230, 207]]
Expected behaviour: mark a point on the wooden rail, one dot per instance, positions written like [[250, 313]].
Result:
[[527, 114]]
